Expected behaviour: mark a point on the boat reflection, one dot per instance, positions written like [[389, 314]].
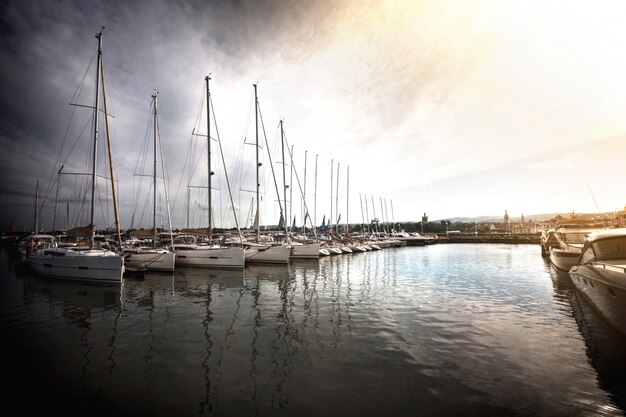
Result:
[[605, 346]]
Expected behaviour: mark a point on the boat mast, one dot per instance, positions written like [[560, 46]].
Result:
[[282, 146], [208, 125], [36, 214], [315, 196], [332, 168], [56, 202], [106, 125], [95, 143], [374, 218], [367, 213], [337, 199], [256, 126], [154, 171], [347, 199], [291, 184], [304, 196], [362, 216]]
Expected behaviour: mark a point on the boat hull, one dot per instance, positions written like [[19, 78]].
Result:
[[89, 265], [151, 260], [278, 254], [307, 251], [563, 259], [211, 257], [604, 286]]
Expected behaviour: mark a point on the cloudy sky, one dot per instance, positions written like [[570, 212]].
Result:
[[455, 108]]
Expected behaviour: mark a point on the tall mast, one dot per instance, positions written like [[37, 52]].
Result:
[[374, 214], [285, 186], [256, 126], [291, 183], [337, 199], [315, 196], [154, 170], [304, 195], [208, 126], [347, 199], [95, 143], [362, 216], [332, 168], [382, 214], [112, 172], [188, 192], [367, 213], [36, 214], [56, 202]]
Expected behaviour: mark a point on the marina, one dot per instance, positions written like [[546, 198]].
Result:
[[321, 208], [434, 330]]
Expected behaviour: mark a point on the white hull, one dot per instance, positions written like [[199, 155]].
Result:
[[94, 265], [601, 275], [151, 260], [605, 288], [211, 257], [307, 251], [564, 259], [278, 254]]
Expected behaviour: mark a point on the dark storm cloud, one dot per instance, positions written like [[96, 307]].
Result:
[[45, 48]]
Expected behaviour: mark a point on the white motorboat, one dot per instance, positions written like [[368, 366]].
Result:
[[600, 275], [568, 240]]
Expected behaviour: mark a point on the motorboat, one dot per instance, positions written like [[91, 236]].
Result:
[[568, 239], [600, 275]]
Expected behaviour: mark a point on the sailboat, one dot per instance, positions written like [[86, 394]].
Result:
[[257, 251], [191, 252], [305, 248], [151, 258], [91, 263]]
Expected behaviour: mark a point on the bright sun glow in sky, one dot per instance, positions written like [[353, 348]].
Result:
[[455, 108]]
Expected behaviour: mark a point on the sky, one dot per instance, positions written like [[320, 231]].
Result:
[[453, 109]]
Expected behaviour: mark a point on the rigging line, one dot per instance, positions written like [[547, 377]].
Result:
[[300, 186], [78, 90], [225, 171], [280, 206], [140, 167], [594, 200], [188, 166]]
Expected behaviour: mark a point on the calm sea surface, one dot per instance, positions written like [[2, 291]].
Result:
[[442, 330]]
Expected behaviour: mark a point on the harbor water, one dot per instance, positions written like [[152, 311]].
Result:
[[439, 330]]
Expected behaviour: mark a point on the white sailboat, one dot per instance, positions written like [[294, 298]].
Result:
[[304, 249], [190, 252], [257, 251], [152, 257], [91, 263]]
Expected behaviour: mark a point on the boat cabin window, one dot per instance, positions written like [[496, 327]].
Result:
[[587, 255], [574, 237], [610, 248]]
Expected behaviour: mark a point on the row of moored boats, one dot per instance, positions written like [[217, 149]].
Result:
[[594, 257], [101, 260]]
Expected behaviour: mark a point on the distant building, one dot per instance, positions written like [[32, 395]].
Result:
[[506, 218]]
